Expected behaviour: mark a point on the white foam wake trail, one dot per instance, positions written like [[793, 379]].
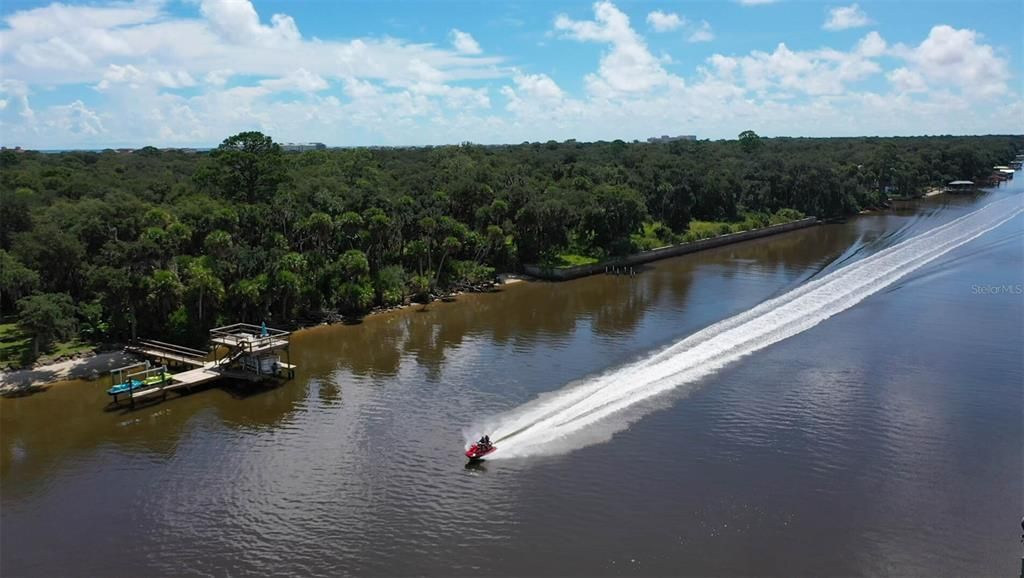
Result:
[[560, 421]]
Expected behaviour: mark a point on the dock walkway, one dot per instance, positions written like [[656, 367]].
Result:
[[168, 352]]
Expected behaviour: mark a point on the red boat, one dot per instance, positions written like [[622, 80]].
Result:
[[477, 451]]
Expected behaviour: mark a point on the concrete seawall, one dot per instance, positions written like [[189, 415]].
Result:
[[566, 273]]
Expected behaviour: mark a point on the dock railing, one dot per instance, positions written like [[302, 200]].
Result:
[[148, 373], [172, 347], [121, 375], [169, 352], [250, 337]]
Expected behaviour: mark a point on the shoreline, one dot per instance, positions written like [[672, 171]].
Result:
[[669, 251], [94, 365], [88, 367]]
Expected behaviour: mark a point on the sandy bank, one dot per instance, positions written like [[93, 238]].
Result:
[[509, 278], [81, 368]]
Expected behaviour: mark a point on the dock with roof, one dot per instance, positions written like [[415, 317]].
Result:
[[240, 352]]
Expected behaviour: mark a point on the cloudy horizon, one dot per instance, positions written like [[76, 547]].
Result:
[[190, 73]]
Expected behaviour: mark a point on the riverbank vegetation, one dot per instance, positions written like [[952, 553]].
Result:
[[18, 348], [166, 243]]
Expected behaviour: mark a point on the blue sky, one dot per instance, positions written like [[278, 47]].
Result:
[[190, 73]]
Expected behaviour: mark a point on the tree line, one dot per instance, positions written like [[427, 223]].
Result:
[[112, 245]]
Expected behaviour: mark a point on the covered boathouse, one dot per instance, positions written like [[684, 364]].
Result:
[[252, 353], [960, 187]]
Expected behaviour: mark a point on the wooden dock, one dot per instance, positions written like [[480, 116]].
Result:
[[252, 354], [168, 352]]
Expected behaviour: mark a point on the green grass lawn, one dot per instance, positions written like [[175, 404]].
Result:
[[655, 234], [16, 348], [563, 260], [698, 230]]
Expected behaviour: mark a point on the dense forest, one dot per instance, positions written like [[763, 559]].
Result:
[[166, 243]]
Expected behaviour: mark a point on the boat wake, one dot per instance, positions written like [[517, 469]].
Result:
[[592, 410]]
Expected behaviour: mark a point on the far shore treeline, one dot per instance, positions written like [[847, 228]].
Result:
[[110, 245]]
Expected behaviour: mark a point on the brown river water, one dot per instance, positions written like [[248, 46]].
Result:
[[882, 437]]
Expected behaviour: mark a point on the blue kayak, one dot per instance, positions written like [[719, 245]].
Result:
[[133, 384]]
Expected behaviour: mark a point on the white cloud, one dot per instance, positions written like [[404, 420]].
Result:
[[132, 77], [846, 17], [906, 81], [217, 78], [703, 33], [126, 74], [237, 21], [134, 54], [48, 46], [954, 57], [464, 42], [300, 80], [871, 45], [175, 79], [53, 20], [246, 73], [664, 22], [539, 86], [18, 91], [75, 118], [629, 67], [55, 54], [815, 72]]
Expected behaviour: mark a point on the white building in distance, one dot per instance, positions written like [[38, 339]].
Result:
[[301, 147]]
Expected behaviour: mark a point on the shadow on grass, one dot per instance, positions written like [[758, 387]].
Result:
[[27, 379]]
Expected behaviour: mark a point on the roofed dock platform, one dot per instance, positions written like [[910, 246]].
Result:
[[242, 351]]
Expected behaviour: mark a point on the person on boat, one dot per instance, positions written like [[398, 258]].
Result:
[[485, 442]]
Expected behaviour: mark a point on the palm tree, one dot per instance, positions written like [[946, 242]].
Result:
[[164, 291], [203, 283], [450, 245]]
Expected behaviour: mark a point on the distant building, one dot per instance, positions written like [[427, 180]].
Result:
[[187, 151], [960, 186], [665, 138], [301, 147]]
